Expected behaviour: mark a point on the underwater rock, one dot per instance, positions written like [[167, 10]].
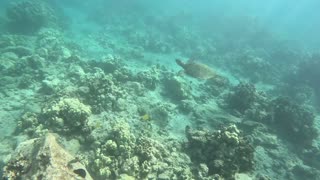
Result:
[[215, 86], [245, 100], [29, 16], [43, 158], [51, 45], [20, 51], [304, 172], [307, 75], [255, 67], [308, 72], [161, 113], [108, 64], [10, 40], [135, 88], [50, 86], [49, 38], [112, 64], [242, 97], [7, 61], [150, 78], [177, 88], [35, 62], [225, 152], [294, 122]]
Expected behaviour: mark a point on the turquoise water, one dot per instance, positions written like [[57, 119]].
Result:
[[137, 89]]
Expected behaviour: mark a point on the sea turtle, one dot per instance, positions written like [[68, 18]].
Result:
[[196, 69]]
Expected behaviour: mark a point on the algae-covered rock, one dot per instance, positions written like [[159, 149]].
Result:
[[43, 158]]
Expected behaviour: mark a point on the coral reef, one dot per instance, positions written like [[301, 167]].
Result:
[[100, 91], [110, 88], [215, 86], [108, 64], [293, 121], [242, 97], [308, 71], [122, 153], [162, 113], [306, 77], [29, 16], [223, 152], [177, 88], [29, 124], [150, 78], [43, 158], [256, 67], [51, 46], [67, 115], [246, 101], [7, 61]]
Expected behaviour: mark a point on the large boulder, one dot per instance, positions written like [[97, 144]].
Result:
[[44, 158]]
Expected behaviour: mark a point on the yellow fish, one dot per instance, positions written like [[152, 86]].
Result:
[[145, 117]]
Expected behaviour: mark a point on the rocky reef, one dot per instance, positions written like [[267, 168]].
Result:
[[243, 99], [294, 122], [123, 153], [219, 154], [29, 16], [67, 116], [121, 106]]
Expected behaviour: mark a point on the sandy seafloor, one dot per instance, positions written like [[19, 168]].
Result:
[[106, 82]]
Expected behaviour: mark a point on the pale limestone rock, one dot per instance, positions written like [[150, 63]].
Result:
[[43, 158], [242, 176]]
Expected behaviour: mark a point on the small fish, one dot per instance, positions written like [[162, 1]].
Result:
[[145, 117]]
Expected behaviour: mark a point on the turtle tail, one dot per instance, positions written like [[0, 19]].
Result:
[[180, 63]]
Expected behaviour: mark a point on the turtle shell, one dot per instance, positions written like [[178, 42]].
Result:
[[198, 70]]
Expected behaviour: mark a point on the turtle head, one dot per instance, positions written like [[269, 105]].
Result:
[[180, 63]]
